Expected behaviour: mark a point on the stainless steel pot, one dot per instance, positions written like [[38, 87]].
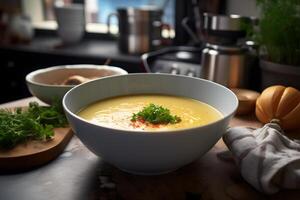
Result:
[[231, 23], [227, 65], [219, 29], [225, 29], [139, 29]]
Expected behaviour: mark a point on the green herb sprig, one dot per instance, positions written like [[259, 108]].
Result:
[[278, 33], [155, 114], [36, 122]]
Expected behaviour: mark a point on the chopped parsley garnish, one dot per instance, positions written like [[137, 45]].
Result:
[[155, 114], [35, 122]]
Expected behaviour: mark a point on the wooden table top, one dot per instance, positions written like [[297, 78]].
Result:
[[210, 177]]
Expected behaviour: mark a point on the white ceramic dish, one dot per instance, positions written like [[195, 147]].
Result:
[[145, 152], [45, 83]]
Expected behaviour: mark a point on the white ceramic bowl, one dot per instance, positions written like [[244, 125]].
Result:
[[145, 152], [45, 83]]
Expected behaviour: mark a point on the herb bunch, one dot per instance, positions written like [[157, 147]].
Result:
[[155, 114], [279, 31], [36, 122]]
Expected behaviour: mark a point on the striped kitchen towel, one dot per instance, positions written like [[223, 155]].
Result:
[[267, 159]]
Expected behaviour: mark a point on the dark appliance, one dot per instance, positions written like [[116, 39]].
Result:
[[183, 60], [227, 58]]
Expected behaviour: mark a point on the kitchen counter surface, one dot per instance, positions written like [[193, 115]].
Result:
[[79, 174], [87, 48]]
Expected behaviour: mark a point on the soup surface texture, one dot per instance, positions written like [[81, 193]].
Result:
[[117, 112]]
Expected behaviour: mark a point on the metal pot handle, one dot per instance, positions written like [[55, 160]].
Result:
[[108, 22], [185, 25]]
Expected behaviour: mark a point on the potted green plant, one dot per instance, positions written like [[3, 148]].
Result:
[[278, 35]]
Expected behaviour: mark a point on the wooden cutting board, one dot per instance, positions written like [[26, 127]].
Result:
[[34, 153]]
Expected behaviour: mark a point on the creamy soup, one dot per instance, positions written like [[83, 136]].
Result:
[[117, 112]]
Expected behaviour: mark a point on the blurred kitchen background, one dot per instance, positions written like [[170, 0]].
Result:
[[201, 38]]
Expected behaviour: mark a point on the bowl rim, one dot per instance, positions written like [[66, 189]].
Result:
[[29, 77], [176, 131]]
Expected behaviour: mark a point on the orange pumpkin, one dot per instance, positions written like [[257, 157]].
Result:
[[280, 103]]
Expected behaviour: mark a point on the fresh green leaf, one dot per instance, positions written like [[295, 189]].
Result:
[[155, 114], [278, 33], [36, 122]]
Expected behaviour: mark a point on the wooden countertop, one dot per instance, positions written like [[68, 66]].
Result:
[[210, 177]]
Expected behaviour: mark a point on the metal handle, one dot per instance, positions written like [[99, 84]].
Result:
[[185, 25], [174, 70], [109, 19], [191, 73]]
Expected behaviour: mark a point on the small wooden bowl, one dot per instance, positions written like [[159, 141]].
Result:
[[247, 100]]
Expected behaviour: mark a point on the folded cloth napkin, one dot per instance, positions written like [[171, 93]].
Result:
[[267, 159]]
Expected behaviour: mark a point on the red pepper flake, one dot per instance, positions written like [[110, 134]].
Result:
[[135, 125], [141, 123], [141, 120]]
